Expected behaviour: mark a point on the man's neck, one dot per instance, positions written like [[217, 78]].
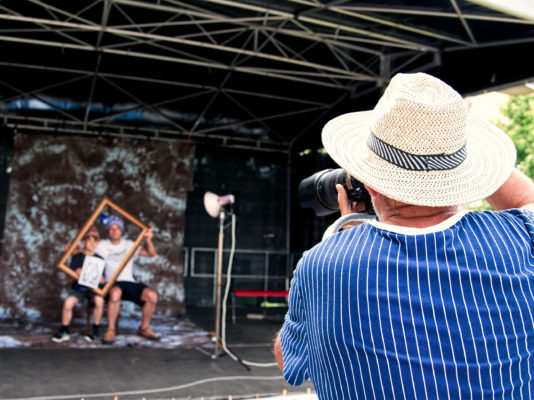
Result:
[[88, 252], [417, 216], [114, 242]]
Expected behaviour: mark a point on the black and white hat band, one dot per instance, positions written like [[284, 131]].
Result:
[[415, 162]]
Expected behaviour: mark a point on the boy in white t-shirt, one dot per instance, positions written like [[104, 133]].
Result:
[[114, 250]]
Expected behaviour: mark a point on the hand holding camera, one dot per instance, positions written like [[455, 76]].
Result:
[[345, 205]]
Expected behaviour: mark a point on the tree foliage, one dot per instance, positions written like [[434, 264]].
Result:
[[518, 122]]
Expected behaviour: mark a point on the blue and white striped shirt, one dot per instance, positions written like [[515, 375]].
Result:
[[446, 312]]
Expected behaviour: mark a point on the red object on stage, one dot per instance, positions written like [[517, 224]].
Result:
[[260, 293], [255, 293]]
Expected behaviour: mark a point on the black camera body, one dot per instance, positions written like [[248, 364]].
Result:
[[319, 191]]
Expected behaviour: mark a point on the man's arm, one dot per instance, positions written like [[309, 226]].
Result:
[[148, 250], [278, 352], [516, 192]]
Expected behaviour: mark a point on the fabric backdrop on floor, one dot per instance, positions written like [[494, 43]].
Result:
[[57, 182], [174, 333]]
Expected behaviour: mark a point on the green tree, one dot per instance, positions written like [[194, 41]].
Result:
[[518, 122]]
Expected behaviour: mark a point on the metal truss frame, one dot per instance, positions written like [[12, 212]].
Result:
[[341, 48]]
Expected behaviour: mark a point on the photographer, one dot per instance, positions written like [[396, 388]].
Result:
[[429, 300]]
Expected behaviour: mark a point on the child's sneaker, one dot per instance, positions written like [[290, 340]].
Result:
[[94, 333], [61, 336], [89, 337]]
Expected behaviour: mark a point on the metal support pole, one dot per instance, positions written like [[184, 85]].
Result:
[[219, 286]]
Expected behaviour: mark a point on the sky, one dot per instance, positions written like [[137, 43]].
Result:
[[487, 105]]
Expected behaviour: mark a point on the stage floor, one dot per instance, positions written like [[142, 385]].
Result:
[[180, 366]]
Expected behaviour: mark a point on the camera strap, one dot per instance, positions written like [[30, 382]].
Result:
[[347, 221]]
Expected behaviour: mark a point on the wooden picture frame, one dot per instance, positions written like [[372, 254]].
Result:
[[105, 202]]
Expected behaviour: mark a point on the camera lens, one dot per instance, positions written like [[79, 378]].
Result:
[[319, 193], [309, 194], [326, 188]]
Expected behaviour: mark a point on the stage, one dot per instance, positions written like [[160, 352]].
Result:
[[180, 366]]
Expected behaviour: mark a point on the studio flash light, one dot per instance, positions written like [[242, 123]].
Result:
[[214, 203]]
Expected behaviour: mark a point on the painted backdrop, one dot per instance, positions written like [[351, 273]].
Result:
[[56, 183]]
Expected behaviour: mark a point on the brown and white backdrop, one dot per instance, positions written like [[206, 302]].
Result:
[[58, 181]]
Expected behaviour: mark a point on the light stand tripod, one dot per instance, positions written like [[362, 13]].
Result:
[[215, 207]]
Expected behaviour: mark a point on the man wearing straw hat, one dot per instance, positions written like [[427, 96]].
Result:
[[430, 300]]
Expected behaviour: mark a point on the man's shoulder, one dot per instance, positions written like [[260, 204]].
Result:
[[124, 244], [524, 213], [103, 242], [106, 245], [335, 242]]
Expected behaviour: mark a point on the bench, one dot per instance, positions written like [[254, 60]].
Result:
[[255, 293]]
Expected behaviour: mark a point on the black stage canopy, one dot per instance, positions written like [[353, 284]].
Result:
[[255, 74]]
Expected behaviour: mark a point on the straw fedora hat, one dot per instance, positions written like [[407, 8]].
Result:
[[419, 145]]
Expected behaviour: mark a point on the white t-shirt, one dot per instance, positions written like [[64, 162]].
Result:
[[114, 254]]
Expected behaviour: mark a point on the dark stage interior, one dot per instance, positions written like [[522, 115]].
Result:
[[180, 366]]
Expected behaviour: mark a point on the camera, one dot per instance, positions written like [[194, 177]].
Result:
[[319, 191]]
